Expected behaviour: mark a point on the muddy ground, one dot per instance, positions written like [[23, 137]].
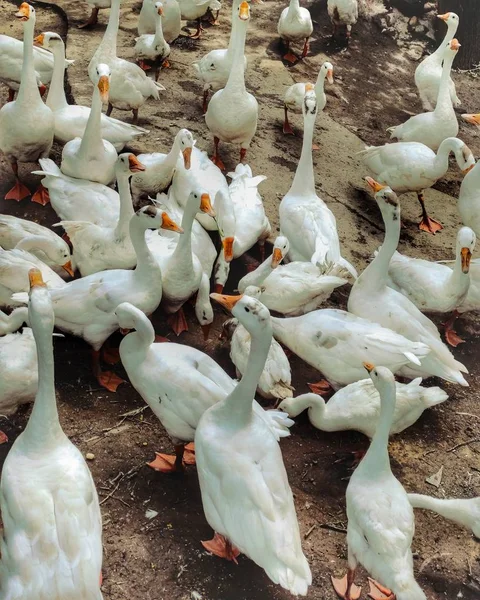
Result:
[[162, 559]]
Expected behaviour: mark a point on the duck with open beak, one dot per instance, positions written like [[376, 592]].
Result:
[[226, 301], [135, 166]]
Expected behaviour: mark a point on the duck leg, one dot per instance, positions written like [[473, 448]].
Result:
[[289, 56], [345, 588], [92, 19], [450, 334], [379, 592], [205, 101], [18, 191], [216, 158], [41, 196], [287, 129], [178, 322], [427, 224], [167, 463], [322, 387], [221, 547], [306, 48], [11, 95], [106, 379], [198, 33], [243, 154], [109, 109], [135, 116]]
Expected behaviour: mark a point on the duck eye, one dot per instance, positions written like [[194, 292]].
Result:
[[247, 309]]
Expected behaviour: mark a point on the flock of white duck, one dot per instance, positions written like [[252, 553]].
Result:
[[132, 261]]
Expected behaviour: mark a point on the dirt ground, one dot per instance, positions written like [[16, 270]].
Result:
[[162, 559]]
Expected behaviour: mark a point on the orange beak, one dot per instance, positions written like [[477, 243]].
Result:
[[444, 17], [206, 205], [468, 169], [35, 277], [455, 44], [228, 248], [23, 12], [244, 11], [124, 331], [38, 41], [277, 257], [227, 302], [206, 331], [369, 366], [160, 11], [309, 87], [135, 165], [187, 155], [473, 119], [466, 256], [169, 224], [68, 268], [104, 86], [375, 186], [330, 75]]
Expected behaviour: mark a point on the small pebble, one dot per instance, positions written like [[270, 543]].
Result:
[[90, 456]]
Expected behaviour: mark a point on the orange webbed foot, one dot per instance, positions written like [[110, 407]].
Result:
[[290, 57], [189, 454], [109, 380], [430, 225], [41, 196], [378, 591], [18, 192], [221, 547], [340, 587], [165, 463], [178, 322], [322, 387], [218, 161], [453, 338], [287, 129]]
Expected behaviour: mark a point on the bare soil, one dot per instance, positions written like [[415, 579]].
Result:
[[162, 559]]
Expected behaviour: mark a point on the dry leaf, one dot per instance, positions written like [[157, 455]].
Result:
[[436, 478]]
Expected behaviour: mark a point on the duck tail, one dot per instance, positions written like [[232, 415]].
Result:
[[49, 168], [433, 395]]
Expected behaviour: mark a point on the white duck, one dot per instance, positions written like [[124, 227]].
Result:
[[129, 86], [464, 511], [292, 289], [371, 298], [85, 307], [343, 13], [429, 72], [432, 286], [26, 124], [101, 247], [14, 268], [431, 128], [160, 168], [337, 343], [153, 47], [245, 492], [295, 24], [178, 382], [96, 6], [181, 269], [380, 518], [11, 51], [171, 20], [305, 219], [193, 10], [214, 68], [275, 382], [79, 199], [18, 362], [412, 166], [469, 199], [71, 119], [48, 498], [232, 112], [356, 407], [249, 222], [295, 94], [91, 157], [46, 245]]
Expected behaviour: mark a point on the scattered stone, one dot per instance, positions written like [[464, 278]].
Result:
[[90, 456]]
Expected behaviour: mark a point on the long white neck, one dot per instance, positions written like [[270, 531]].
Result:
[[182, 258], [28, 91], [256, 277], [314, 403], [320, 83], [239, 402], [171, 158], [293, 8], [43, 427], [109, 41], [377, 457], [304, 180], [449, 35], [458, 510], [444, 101], [33, 243], [13, 321], [92, 143], [143, 337], [158, 30], [236, 79], [234, 30], [377, 271], [56, 98], [126, 206], [147, 266], [440, 164]]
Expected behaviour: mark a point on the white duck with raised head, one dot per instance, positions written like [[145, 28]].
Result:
[[171, 20], [294, 25]]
